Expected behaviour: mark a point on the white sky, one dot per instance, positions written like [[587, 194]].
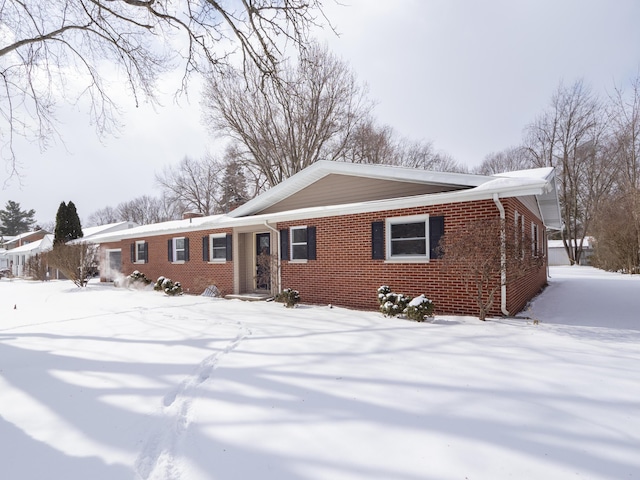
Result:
[[466, 75]]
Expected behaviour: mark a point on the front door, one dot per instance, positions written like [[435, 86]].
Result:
[[263, 261], [114, 264]]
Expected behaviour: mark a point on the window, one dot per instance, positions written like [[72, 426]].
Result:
[[178, 249], [299, 243], [139, 252], [179, 252], [408, 238], [217, 247], [535, 250]]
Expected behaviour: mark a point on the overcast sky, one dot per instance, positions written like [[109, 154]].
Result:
[[467, 75]]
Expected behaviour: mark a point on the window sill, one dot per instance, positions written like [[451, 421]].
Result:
[[407, 260], [216, 262], [299, 260], [139, 262], [178, 262]]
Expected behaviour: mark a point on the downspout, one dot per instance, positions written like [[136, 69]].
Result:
[[503, 257], [278, 275]]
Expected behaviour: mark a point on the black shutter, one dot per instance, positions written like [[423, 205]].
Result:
[[436, 231], [133, 252], [146, 252], [170, 250], [311, 243], [229, 247], [284, 244], [377, 240], [186, 249], [205, 248]]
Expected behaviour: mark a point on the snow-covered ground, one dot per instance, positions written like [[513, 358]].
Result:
[[106, 383]]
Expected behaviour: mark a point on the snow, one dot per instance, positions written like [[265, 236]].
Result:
[[108, 383]]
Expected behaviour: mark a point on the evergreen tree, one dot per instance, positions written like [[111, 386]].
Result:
[[234, 187], [68, 225], [14, 221]]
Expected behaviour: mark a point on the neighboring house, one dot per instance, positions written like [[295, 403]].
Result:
[[23, 239], [558, 254], [18, 257], [25, 246], [328, 232], [25, 243]]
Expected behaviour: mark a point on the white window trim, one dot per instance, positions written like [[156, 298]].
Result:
[[175, 250], [291, 244], [211, 258], [407, 258], [138, 260]]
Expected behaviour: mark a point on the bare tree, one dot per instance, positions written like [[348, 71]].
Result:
[[422, 154], [43, 43], [567, 137], [145, 210], [104, 216], [370, 143], [486, 254], [507, 160], [195, 184], [282, 127], [76, 261]]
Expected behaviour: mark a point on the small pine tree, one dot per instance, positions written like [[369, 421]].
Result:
[[68, 225], [14, 221]]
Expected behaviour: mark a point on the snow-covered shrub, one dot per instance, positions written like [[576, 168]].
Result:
[[136, 280], [419, 308], [289, 297], [392, 304], [168, 286]]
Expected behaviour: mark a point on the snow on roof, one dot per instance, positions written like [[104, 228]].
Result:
[[587, 243], [171, 226], [95, 230], [534, 182], [17, 238], [45, 243]]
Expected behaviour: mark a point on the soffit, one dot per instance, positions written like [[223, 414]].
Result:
[[338, 189]]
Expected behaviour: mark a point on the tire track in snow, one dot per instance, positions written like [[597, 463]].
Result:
[[157, 459]]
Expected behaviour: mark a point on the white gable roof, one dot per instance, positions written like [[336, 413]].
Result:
[[324, 168], [42, 245], [464, 187]]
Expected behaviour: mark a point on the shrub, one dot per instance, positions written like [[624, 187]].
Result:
[[289, 297], [137, 280], [168, 286], [391, 304], [394, 304], [419, 308]]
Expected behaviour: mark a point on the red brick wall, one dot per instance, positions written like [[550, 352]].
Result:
[[194, 275], [344, 273], [522, 290]]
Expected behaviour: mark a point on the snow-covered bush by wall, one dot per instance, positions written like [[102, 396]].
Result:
[[393, 304], [168, 286], [289, 297]]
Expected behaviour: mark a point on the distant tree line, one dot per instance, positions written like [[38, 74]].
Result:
[[594, 145], [314, 108]]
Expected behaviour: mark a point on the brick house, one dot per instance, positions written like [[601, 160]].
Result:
[[337, 231]]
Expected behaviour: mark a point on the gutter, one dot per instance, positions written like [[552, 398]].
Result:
[[278, 273], [503, 256]]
